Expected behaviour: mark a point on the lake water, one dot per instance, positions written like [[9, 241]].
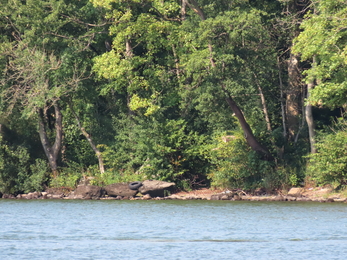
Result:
[[64, 229]]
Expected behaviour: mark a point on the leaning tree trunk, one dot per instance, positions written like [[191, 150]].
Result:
[[250, 138], [90, 140], [248, 133], [51, 151]]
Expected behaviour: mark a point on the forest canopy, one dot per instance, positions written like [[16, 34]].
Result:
[[227, 94]]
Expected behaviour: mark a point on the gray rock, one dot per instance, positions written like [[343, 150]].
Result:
[[147, 197], [87, 192], [120, 189], [225, 197], [279, 198], [237, 197], [44, 195], [295, 192], [156, 188], [8, 196], [57, 196], [215, 197]]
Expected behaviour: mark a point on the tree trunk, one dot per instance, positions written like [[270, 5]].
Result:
[[90, 140], [250, 138], [293, 97], [52, 152], [263, 103], [308, 114], [283, 111], [128, 55], [295, 90]]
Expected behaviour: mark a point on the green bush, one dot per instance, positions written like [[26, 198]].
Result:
[[68, 177], [36, 179], [110, 177], [14, 167], [40, 176], [237, 166], [329, 164], [165, 151]]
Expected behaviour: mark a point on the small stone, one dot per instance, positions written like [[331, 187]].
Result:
[[147, 197], [215, 197]]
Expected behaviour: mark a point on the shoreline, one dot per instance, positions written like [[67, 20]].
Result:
[[294, 194]]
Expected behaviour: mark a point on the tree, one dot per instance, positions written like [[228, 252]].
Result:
[[28, 81], [324, 39], [322, 43], [57, 40], [145, 35], [226, 47]]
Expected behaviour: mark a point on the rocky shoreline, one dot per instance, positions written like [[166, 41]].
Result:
[[156, 190], [294, 194]]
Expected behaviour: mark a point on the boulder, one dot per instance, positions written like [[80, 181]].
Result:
[[56, 196], [33, 195], [87, 192], [279, 198], [295, 192], [120, 189], [62, 191], [44, 195], [237, 197], [156, 188], [8, 196], [224, 196]]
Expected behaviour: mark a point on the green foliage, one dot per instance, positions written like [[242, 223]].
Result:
[[324, 39], [39, 178], [236, 166], [17, 173], [112, 176], [157, 98], [68, 177], [150, 149], [329, 164], [15, 163]]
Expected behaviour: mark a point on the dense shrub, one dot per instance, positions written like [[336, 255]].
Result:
[[329, 164], [237, 166], [150, 149], [17, 173], [14, 167], [68, 176]]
